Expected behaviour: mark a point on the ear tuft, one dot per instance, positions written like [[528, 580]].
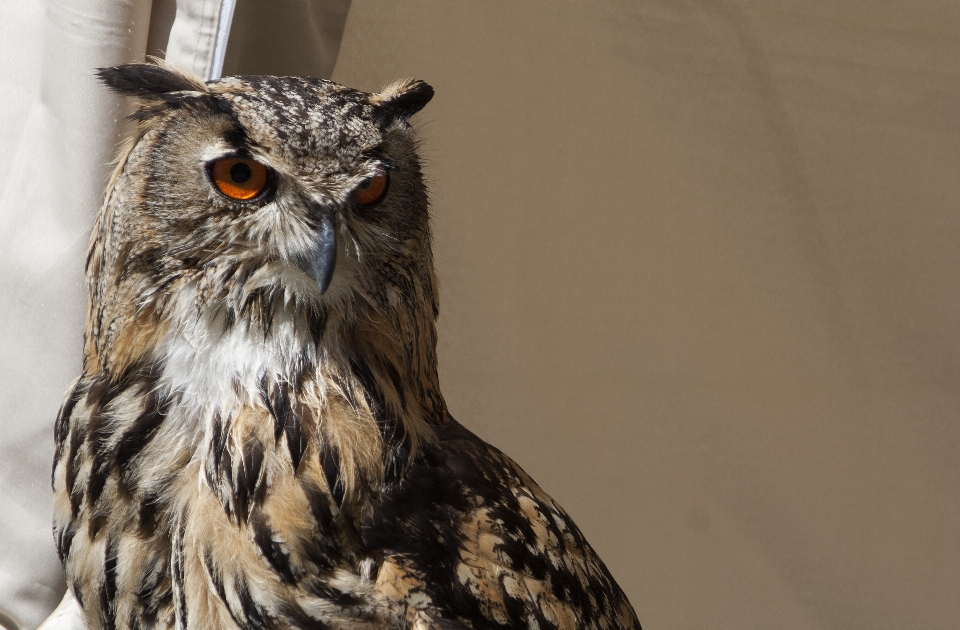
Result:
[[150, 81], [404, 98]]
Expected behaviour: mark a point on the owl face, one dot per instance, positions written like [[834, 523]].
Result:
[[262, 232], [273, 185]]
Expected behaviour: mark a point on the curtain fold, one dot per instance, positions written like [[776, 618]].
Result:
[[198, 38]]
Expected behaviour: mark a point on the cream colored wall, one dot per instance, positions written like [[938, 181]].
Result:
[[699, 266]]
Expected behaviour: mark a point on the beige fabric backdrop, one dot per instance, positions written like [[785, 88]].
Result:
[[700, 268]]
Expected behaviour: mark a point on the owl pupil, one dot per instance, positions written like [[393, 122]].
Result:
[[240, 172]]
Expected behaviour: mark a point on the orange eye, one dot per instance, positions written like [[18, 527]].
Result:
[[372, 190], [239, 178]]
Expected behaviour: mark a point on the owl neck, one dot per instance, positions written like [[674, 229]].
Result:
[[382, 362], [366, 365]]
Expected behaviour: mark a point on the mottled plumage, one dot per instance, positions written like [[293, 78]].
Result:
[[258, 438]]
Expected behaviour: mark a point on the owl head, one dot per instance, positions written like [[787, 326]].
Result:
[[287, 215]]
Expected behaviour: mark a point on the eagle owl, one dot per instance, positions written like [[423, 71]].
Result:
[[258, 439]]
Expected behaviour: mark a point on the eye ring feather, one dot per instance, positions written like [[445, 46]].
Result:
[[240, 178], [373, 189]]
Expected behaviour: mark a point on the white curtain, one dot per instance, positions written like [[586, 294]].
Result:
[[59, 129]]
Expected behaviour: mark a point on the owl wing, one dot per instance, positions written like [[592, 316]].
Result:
[[473, 538]]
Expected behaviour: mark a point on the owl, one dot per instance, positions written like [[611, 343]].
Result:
[[258, 439]]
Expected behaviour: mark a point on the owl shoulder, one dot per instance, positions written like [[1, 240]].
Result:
[[471, 529]]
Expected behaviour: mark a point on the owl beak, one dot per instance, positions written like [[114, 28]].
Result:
[[320, 260]]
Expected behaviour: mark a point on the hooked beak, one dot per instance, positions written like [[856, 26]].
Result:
[[321, 258]]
